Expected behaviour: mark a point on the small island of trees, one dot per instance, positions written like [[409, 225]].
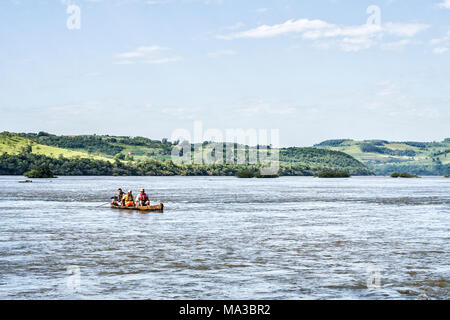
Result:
[[248, 174], [403, 175], [40, 172], [333, 174]]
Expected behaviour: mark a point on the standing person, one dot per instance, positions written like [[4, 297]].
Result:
[[143, 199], [129, 199], [117, 200]]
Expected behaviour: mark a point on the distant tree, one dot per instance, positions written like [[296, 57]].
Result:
[[333, 174], [26, 149], [245, 174], [40, 172]]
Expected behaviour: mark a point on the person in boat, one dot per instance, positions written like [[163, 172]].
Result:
[[142, 200], [129, 199], [118, 200]]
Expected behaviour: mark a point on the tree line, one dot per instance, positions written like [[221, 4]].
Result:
[[23, 162]]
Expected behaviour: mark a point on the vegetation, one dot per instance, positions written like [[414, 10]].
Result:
[[384, 157], [267, 176], [18, 164], [40, 172], [16, 144], [333, 143], [105, 145], [66, 155], [317, 160], [403, 175], [245, 174], [371, 147], [407, 175], [446, 176], [355, 157], [333, 174]]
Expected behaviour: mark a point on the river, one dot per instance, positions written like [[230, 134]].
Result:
[[226, 238]]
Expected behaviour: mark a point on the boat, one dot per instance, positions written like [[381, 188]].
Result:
[[26, 181], [157, 208]]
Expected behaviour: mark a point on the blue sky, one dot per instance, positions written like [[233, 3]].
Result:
[[313, 69]]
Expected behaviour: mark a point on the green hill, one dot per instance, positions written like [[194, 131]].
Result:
[[12, 143], [385, 157], [139, 155], [106, 146], [111, 155]]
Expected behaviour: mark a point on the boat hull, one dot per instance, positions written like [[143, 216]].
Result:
[[158, 207]]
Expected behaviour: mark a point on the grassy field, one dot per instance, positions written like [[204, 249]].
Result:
[[422, 158], [15, 145]]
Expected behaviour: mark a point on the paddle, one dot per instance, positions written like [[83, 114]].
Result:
[[102, 205]]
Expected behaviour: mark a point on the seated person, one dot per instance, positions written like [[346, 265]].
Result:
[[128, 199], [143, 199], [117, 200]]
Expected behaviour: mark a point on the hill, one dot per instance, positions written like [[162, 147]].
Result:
[[111, 155], [12, 143], [385, 157]]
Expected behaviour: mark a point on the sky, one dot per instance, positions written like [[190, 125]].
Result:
[[314, 70]]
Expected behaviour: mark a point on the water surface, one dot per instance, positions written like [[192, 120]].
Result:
[[226, 238]]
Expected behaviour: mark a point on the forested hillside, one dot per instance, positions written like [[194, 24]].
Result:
[[109, 155], [385, 157]]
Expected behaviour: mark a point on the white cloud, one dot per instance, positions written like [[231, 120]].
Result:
[[356, 44], [140, 52], [440, 50], [404, 29], [125, 62], [444, 39], [221, 53], [351, 38], [289, 26], [442, 44], [163, 60], [397, 45], [145, 54], [389, 88], [315, 29], [445, 4]]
